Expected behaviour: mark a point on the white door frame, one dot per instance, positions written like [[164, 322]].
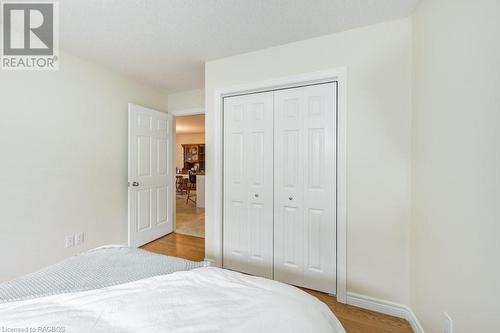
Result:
[[182, 113], [187, 112], [338, 75]]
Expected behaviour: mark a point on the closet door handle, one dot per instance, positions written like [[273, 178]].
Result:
[[290, 198], [256, 195]]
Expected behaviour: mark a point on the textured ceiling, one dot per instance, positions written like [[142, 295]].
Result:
[[165, 43], [190, 124]]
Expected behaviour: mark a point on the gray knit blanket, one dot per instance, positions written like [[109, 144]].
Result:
[[99, 268]]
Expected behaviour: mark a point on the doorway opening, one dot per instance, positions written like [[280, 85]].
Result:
[[190, 175]]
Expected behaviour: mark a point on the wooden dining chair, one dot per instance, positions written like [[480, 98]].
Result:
[[190, 191], [178, 184]]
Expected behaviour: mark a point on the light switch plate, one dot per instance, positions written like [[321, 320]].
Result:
[[79, 238], [70, 241]]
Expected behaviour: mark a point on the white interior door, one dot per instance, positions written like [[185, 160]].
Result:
[[150, 174], [248, 184], [305, 187]]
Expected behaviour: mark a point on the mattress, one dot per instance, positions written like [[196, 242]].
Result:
[[121, 290]]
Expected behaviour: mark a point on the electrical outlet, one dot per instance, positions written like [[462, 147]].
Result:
[[79, 238], [70, 241], [448, 323]]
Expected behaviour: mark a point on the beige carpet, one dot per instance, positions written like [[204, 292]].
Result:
[[189, 219]]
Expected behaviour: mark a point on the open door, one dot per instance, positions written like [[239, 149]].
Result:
[[151, 188]]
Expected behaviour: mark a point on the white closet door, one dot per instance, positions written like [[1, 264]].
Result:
[[304, 187], [248, 184]]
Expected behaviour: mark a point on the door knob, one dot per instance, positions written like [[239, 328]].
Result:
[[290, 198], [135, 184], [256, 195]]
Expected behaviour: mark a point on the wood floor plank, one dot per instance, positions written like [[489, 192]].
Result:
[[354, 319], [178, 245]]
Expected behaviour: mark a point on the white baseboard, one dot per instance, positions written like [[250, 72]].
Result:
[[415, 324], [385, 307], [210, 262]]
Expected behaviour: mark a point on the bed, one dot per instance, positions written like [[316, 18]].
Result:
[[120, 289]]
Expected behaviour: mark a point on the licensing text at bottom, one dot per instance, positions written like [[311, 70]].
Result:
[[37, 329]]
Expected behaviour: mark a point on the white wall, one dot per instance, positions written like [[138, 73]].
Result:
[[456, 225], [190, 99], [184, 139], [63, 142], [378, 60]]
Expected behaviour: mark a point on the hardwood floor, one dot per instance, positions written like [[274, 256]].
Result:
[[178, 245], [354, 320], [189, 219], [357, 320]]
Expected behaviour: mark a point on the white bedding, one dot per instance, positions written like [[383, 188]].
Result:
[[201, 300]]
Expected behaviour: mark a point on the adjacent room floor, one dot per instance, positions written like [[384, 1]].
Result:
[[354, 320], [190, 220]]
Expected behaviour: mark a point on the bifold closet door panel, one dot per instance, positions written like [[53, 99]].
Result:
[[248, 184], [305, 187]]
